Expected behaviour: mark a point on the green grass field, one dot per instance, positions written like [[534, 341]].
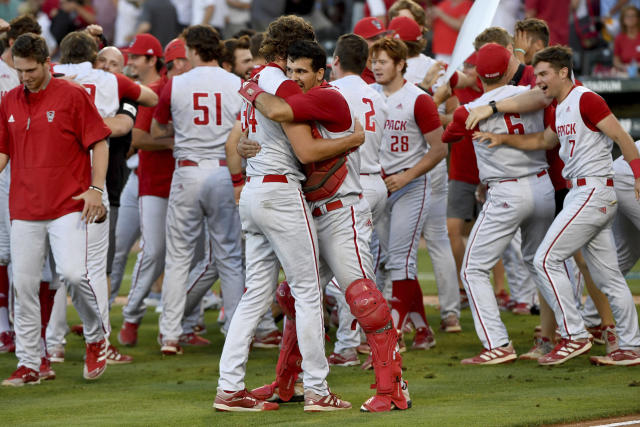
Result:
[[180, 390]]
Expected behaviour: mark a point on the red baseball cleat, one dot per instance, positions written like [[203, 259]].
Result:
[[241, 401], [96, 361], [617, 358], [347, 358], [46, 373], [270, 340], [494, 356], [423, 339], [128, 334], [269, 393], [566, 349], [171, 348], [193, 340], [114, 357], [22, 376], [7, 342]]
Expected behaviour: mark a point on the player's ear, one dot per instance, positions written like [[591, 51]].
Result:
[[320, 74]]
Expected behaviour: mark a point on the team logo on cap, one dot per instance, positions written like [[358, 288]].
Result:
[[50, 116], [377, 24], [491, 75], [149, 51]]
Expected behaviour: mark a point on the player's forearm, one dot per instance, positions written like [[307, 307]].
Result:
[[234, 161], [4, 159], [528, 142], [437, 151], [147, 98], [143, 141], [274, 108], [120, 125], [99, 163], [309, 150], [532, 100], [159, 130], [208, 13]]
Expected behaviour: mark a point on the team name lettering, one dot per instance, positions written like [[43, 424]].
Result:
[[568, 129], [396, 124]]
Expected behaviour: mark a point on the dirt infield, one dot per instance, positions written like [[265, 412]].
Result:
[[629, 420]]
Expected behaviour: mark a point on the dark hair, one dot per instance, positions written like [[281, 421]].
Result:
[[493, 35], [396, 49], [303, 49], [231, 45], [536, 28], [558, 57], [32, 46], [21, 25], [353, 53], [414, 8], [244, 32], [205, 40], [281, 33], [256, 42], [415, 48], [77, 47], [159, 62]]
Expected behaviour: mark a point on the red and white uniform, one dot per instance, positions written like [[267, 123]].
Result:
[[585, 220], [47, 136], [279, 230], [520, 196], [203, 104]]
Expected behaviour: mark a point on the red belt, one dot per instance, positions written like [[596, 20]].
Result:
[[331, 206], [581, 182], [539, 174], [183, 163], [271, 178]]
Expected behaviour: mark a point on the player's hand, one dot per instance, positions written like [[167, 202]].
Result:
[[236, 193], [493, 138], [442, 94], [247, 148], [481, 193], [637, 188], [93, 208], [522, 40], [396, 181], [477, 114], [4, 26], [432, 75], [358, 135]]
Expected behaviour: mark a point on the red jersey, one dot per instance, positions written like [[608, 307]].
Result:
[[556, 14], [462, 163], [627, 49], [155, 168], [367, 76], [444, 36], [47, 135]]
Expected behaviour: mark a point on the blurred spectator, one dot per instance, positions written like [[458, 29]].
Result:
[[610, 12], [626, 48], [508, 13], [555, 13], [9, 9], [212, 12], [239, 16], [67, 16], [448, 17], [265, 11], [378, 9], [184, 10], [159, 17], [106, 17], [126, 21]]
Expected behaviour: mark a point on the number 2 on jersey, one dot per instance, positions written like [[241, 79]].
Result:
[[369, 124], [199, 105]]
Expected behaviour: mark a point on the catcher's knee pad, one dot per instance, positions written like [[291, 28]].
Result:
[[286, 300], [368, 305], [289, 361]]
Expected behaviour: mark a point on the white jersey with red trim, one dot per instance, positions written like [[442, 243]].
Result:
[[370, 109], [506, 162], [100, 85], [276, 156], [584, 151], [403, 144], [204, 106], [8, 78], [621, 166]]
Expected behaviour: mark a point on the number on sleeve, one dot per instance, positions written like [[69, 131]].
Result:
[[513, 129], [369, 124], [199, 105]]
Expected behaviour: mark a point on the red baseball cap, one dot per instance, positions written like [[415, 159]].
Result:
[[492, 60], [405, 29], [369, 27], [175, 49], [144, 44], [472, 59]]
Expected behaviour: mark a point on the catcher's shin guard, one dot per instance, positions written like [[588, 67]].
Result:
[[401, 301], [372, 312], [285, 300], [46, 306], [289, 361]]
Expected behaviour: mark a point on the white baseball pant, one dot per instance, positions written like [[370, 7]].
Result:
[[198, 192], [528, 203], [521, 283], [58, 327], [127, 232], [278, 229], [375, 193], [68, 238], [150, 261], [585, 222]]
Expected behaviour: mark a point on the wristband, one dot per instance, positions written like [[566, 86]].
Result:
[[635, 167], [98, 189], [522, 51], [250, 91], [237, 179], [493, 106]]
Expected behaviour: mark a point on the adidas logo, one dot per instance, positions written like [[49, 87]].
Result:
[[11, 119], [399, 106], [603, 209]]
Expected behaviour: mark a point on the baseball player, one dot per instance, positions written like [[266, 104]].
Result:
[[520, 194], [585, 129], [411, 146], [279, 230], [203, 104], [341, 216], [371, 29], [155, 169], [63, 109]]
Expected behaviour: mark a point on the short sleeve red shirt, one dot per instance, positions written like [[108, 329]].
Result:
[[627, 49], [323, 104], [462, 164], [556, 14], [155, 168], [48, 135], [444, 36]]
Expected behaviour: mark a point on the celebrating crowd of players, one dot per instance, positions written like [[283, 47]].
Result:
[[238, 170]]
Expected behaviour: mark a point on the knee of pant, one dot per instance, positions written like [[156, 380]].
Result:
[[286, 300], [368, 305], [72, 277], [539, 261]]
